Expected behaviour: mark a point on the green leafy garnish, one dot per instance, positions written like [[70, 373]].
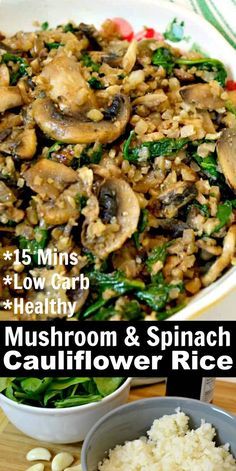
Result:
[[152, 149], [95, 84], [115, 281], [22, 70], [40, 242], [208, 165], [157, 295], [164, 57], [132, 311], [203, 208], [90, 155], [158, 254], [53, 45], [58, 392], [88, 62], [69, 28], [207, 64], [44, 26], [230, 107], [175, 31], [142, 225], [224, 213], [81, 201], [54, 148]]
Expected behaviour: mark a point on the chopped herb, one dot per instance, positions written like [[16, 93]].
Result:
[[203, 208], [69, 28], [158, 254], [164, 57], [81, 201], [44, 26], [208, 165], [132, 311], [22, 70], [88, 62], [224, 213], [231, 107], [142, 224], [151, 150], [175, 31], [95, 84], [53, 45], [115, 281], [54, 148], [155, 296], [161, 316], [39, 242]]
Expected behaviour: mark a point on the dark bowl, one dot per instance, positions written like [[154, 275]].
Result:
[[133, 420]]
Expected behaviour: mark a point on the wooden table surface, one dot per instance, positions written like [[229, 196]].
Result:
[[14, 445]]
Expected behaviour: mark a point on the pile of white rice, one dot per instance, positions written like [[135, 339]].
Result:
[[171, 446]]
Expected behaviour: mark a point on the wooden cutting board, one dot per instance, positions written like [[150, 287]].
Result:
[[14, 445]]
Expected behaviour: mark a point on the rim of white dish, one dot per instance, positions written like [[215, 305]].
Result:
[[65, 410]]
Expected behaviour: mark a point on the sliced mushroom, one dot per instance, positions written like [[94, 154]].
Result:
[[4, 76], [123, 212], [65, 85], [21, 143], [175, 227], [225, 258], [49, 178], [226, 151], [10, 97], [64, 208], [202, 95], [79, 130], [176, 196]]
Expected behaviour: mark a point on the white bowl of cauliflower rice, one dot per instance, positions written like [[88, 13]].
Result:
[[117, 144], [162, 434]]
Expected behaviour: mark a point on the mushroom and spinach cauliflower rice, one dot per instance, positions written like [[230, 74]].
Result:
[[171, 445], [124, 153]]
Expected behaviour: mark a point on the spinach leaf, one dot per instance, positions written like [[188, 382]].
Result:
[[81, 201], [40, 242], [107, 386], [224, 212], [155, 296], [150, 150], [5, 383], [142, 225], [88, 62], [54, 148], [22, 70], [208, 165], [231, 107], [203, 208], [53, 45], [207, 64], [90, 155], [115, 281], [70, 28], [58, 392], [44, 26], [158, 254], [132, 311], [164, 57], [174, 31], [95, 84], [161, 316]]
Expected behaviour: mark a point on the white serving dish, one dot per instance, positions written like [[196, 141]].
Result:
[[21, 14], [67, 425]]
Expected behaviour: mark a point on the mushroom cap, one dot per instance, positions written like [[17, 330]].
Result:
[[202, 95], [127, 217], [79, 130], [49, 178], [10, 97], [226, 151]]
